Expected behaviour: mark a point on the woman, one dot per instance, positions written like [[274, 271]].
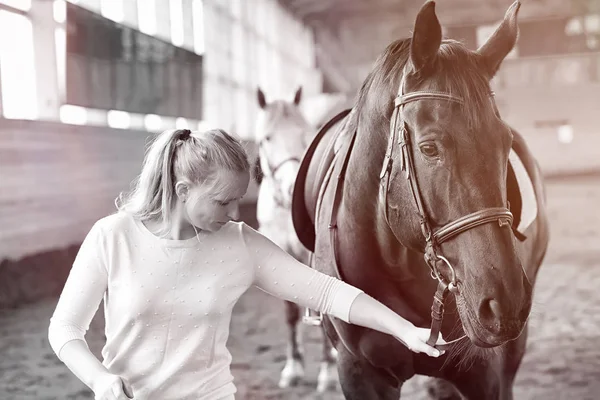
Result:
[[171, 265]]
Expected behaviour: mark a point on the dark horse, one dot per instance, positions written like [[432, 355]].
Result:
[[415, 183]]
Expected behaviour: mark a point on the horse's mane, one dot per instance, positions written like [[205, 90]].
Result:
[[457, 70]]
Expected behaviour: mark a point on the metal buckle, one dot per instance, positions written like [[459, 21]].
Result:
[[312, 317], [435, 274]]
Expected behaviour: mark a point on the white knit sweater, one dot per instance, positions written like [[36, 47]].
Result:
[[168, 303]]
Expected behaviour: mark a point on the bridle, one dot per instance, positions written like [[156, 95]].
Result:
[[433, 238], [272, 171]]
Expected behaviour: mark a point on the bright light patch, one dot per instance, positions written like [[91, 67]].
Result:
[[17, 67], [118, 119], [73, 115], [176, 13], [59, 10], [153, 122], [181, 123], [147, 16], [198, 22], [565, 134], [60, 40], [112, 9]]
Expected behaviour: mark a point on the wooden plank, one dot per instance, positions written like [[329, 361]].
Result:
[[57, 178]]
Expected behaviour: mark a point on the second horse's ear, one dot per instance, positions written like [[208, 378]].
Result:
[[262, 102], [298, 96], [257, 171]]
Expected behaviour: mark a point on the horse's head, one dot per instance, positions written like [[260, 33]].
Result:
[[282, 134], [447, 136]]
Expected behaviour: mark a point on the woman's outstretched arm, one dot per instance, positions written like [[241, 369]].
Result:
[[281, 275]]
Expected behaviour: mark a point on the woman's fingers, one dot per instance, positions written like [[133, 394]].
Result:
[[419, 343]]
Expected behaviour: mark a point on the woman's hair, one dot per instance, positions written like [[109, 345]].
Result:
[[179, 155]]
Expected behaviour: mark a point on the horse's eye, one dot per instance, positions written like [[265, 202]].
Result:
[[429, 150]]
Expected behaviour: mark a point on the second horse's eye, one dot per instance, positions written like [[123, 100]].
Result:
[[429, 149]]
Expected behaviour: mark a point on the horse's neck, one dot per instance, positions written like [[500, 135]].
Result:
[[366, 208], [364, 166]]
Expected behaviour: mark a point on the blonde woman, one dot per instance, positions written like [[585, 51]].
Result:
[[170, 266]]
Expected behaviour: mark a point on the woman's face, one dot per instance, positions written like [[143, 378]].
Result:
[[211, 205]]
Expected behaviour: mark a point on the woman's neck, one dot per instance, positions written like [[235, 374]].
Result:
[[179, 228]]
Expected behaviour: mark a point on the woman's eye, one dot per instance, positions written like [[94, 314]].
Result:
[[429, 149], [224, 204]]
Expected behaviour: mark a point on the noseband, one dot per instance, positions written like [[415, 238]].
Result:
[[272, 171], [433, 237]]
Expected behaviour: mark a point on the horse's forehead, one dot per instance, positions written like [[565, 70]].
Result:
[[278, 118], [452, 118], [425, 113]]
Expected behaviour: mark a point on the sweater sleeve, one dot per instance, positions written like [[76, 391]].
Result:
[[82, 293], [281, 275]]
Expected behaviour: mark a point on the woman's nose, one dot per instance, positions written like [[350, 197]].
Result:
[[234, 210]]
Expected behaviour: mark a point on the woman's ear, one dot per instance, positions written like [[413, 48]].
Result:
[[182, 190]]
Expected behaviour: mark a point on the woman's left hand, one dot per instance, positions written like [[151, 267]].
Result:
[[416, 340]]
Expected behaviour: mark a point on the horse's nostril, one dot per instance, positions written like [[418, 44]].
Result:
[[490, 310]]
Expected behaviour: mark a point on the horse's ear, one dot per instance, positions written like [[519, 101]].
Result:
[[262, 102], [257, 171], [502, 41], [298, 96], [426, 39]]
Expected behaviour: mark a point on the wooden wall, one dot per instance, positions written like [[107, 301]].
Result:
[[56, 180], [537, 111]]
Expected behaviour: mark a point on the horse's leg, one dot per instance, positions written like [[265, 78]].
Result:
[[440, 389], [361, 381], [494, 378], [293, 371], [327, 378]]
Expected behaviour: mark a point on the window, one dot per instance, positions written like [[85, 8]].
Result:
[[198, 21], [17, 66], [112, 9], [112, 67], [176, 16], [147, 16]]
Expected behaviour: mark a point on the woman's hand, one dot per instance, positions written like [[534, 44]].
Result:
[[416, 340], [112, 387]]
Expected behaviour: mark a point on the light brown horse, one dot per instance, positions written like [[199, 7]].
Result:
[[413, 184]]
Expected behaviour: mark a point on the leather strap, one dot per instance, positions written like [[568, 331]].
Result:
[[337, 199], [454, 228]]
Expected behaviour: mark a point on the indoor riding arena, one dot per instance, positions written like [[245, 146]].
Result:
[[86, 84]]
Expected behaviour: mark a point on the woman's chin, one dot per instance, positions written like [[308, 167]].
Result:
[[215, 226]]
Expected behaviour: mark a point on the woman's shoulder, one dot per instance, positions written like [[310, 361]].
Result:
[[115, 223]]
